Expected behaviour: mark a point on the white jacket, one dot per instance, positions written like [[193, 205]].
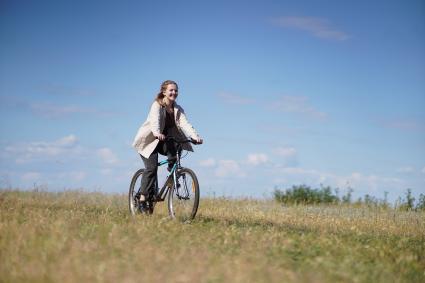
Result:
[[145, 140]]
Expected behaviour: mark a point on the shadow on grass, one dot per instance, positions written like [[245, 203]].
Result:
[[299, 229], [253, 223]]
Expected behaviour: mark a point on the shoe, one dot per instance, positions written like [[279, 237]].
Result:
[[143, 207], [142, 198]]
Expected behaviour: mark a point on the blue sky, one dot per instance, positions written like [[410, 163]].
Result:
[[283, 92]]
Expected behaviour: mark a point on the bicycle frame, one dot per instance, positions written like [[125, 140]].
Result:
[[162, 194]]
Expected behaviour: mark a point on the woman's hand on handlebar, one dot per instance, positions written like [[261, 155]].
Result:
[[161, 137], [198, 140]]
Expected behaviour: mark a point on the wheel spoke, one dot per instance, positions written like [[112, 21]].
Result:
[[184, 199]]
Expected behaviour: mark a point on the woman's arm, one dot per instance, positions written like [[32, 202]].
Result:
[[154, 119], [185, 126]]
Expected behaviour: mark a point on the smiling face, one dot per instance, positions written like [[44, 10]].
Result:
[[171, 92]]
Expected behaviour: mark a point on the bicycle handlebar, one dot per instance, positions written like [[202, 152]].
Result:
[[180, 141]]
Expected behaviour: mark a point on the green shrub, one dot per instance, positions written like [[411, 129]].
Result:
[[407, 203], [421, 202], [347, 197], [303, 194]]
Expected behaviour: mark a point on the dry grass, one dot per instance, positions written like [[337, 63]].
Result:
[[90, 237]]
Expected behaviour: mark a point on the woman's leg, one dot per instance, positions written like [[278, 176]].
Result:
[[150, 174], [169, 149]]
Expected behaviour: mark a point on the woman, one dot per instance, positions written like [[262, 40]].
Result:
[[166, 118]]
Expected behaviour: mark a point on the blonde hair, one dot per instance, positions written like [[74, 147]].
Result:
[[160, 96]]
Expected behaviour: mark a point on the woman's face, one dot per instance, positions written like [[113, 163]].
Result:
[[171, 92]]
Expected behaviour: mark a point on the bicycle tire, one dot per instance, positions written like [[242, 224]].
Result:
[[134, 205], [183, 202]]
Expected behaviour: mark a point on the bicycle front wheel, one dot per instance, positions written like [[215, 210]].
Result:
[[183, 200]]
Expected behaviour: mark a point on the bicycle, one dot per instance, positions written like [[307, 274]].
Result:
[[181, 186]]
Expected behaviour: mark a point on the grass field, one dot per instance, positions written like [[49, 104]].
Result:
[[90, 237]]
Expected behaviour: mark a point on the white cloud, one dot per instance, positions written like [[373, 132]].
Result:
[[296, 175], [235, 99], [298, 105], [360, 182], [371, 182], [49, 110], [52, 111], [229, 168], [71, 176], [26, 152], [304, 174], [210, 162], [286, 152], [404, 125], [287, 155], [407, 169], [107, 155], [257, 158], [32, 177], [49, 179], [67, 141], [61, 90], [106, 171], [317, 27], [78, 175]]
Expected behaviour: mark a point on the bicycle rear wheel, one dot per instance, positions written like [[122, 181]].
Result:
[[183, 200], [134, 205]]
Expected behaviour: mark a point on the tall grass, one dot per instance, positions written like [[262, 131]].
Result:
[[90, 237]]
